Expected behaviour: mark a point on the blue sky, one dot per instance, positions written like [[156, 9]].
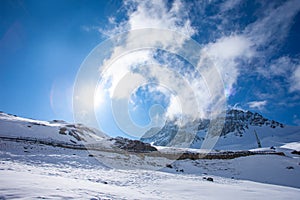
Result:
[[254, 45], [42, 46]]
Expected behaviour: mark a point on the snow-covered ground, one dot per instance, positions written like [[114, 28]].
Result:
[[33, 170], [75, 175]]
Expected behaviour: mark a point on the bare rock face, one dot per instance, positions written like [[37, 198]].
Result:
[[132, 145], [295, 152], [238, 121]]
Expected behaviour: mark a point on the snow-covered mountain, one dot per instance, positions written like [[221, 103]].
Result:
[[241, 130], [63, 134]]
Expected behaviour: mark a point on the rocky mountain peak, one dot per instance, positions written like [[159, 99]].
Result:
[[236, 122]]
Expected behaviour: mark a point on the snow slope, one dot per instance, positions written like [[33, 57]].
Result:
[[72, 174], [163, 186]]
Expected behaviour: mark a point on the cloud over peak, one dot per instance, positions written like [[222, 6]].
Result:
[[257, 104]]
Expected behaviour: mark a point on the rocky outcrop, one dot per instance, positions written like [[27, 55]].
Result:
[[132, 145]]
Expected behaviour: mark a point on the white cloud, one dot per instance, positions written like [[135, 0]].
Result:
[[296, 120], [155, 14], [230, 47], [227, 52], [234, 48], [236, 107], [259, 40], [175, 108], [295, 80], [264, 34], [229, 5], [279, 67], [121, 67], [272, 28], [151, 14], [185, 91], [257, 104], [286, 68]]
